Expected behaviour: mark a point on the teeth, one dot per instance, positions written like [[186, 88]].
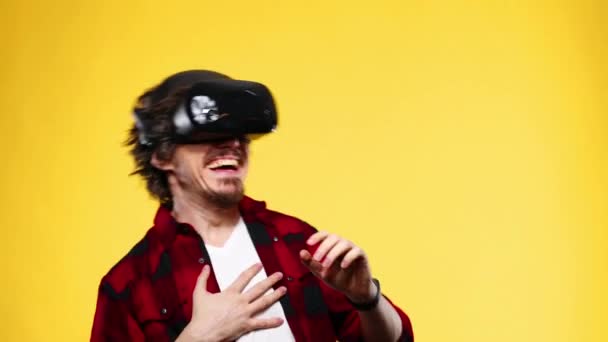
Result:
[[223, 162]]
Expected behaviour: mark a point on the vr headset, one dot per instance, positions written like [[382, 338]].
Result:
[[217, 109]]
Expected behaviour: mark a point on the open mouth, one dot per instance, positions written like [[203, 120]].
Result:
[[224, 165]]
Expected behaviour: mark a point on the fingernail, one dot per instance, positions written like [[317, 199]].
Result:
[[279, 275]]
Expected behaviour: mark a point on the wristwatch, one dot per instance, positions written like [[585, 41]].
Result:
[[372, 303]]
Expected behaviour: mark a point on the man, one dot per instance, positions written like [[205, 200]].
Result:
[[220, 266]]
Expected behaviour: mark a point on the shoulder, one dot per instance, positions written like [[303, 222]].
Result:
[[257, 211], [138, 263], [286, 224]]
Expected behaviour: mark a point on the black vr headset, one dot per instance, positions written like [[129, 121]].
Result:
[[214, 107]]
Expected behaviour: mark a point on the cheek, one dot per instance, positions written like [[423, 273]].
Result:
[[195, 172], [204, 175]]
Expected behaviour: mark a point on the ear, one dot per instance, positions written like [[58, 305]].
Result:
[[161, 164]]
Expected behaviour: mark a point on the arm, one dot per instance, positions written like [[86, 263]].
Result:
[[381, 323], [386, 317], [113, 320], [350, 325], [344, 268]]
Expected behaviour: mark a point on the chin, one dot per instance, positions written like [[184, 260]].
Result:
[[226, 200], [227, 195]]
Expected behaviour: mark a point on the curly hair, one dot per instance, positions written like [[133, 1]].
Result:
[[158, 120], [155, 109]]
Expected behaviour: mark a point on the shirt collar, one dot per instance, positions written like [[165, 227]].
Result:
[[167, 227]]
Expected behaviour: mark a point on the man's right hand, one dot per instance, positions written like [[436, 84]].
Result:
[[227, 315]]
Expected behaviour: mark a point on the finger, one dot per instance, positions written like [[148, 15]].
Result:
[[264, 302], [305, 255], [316, 237], [264, 323], [325, 246], [244, 278], [314, 266], [341, 248], [351, 256], [201, 281], [263, 286]]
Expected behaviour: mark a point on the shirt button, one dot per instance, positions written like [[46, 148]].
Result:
[[275, 239], [163, 311], [201, 260], [289, 278]]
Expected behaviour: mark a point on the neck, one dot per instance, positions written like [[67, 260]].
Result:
[[214, 224]]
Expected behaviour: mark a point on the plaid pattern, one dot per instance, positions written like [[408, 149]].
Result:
[[148, 294]]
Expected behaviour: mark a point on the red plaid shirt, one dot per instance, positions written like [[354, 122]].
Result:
[[148, 294]]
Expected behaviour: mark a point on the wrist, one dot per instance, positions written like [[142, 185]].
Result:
[[369, 300], [364, 296], [191, 334]]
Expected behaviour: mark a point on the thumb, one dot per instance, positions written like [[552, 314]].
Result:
[[201, 281], [313, 265]]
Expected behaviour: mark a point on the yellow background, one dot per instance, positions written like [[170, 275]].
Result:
[[462, 144]]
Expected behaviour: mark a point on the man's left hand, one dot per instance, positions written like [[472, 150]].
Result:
[[341, 265]]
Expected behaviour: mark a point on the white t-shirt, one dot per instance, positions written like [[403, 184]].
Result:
[[229, 261]]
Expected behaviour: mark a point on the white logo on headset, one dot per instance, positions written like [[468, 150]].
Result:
[[204, 109]]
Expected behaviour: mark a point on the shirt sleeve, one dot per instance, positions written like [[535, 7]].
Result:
[[113, 321], [347, 324]]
